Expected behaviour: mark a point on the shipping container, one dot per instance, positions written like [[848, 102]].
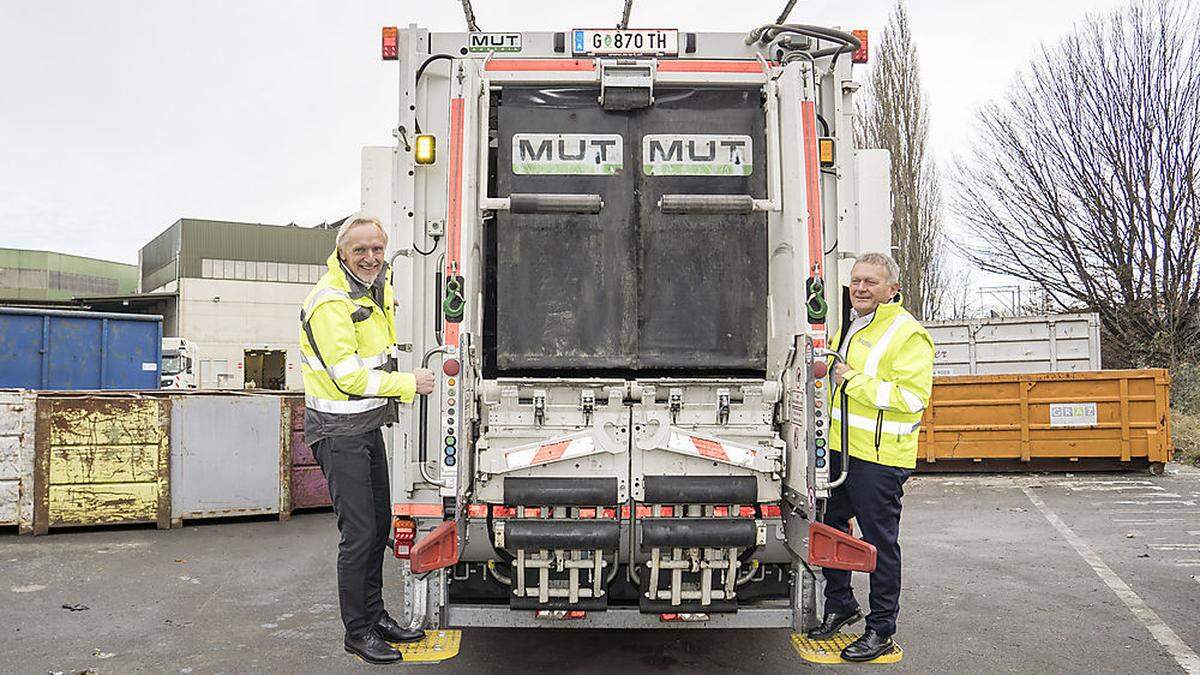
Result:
[[227, 452], [61, 349], [308, 488], [16, 458], [1112, 419], [1024, 344], [102, 459]]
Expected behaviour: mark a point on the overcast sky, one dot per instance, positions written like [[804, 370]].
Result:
[[119, 117]]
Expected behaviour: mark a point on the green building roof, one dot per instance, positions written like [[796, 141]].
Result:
[[46, 275]]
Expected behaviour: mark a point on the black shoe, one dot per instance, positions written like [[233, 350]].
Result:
[[833, 623], [389, 630], [869, 647], [372, 649]]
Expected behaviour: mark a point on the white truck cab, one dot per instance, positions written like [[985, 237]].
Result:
[[179, 364]]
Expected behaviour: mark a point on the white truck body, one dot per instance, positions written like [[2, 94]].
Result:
[[668, 484]]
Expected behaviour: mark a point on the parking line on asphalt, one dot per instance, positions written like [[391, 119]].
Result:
[[1175, 547], [1154, 521], [1177, 648], [1147, 502]]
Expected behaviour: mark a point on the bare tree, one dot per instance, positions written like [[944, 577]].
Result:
[[1083, 178], [895, 117]]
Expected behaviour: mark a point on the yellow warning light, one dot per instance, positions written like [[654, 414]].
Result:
[[425, 149], [825, 151]]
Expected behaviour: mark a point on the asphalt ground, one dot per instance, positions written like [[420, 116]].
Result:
[[1060, 573]]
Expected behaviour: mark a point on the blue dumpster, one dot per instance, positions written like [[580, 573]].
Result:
[[63, 349]]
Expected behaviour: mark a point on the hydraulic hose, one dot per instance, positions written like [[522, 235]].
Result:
[[769, 32], [417, 81]]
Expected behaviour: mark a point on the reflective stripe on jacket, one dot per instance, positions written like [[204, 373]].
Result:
[[347, 347], [887, 387]]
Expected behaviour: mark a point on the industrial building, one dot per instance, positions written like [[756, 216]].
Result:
[[40, 276], [234, 290]]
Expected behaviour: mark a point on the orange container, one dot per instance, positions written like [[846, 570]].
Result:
[[1109, 419]]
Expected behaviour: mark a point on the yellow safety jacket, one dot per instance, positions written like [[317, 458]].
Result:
[[347, 345], [887, 387]]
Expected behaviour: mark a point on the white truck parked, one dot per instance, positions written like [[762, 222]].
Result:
[[179, 364], [624, 251]]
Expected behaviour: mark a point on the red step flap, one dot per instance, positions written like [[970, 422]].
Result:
[[439, 549], [832, 548]]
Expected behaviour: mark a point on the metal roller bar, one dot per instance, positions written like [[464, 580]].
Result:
[[692, 204], [545, 203]]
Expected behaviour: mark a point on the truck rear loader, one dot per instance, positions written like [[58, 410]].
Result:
[[623, 252]]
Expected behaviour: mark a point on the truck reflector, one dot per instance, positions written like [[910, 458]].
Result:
[[559, 614], [548, 452], [709, 448]]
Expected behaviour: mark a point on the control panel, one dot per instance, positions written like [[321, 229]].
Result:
[[451, 421], [818, 423]]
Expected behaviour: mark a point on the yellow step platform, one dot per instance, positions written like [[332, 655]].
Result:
[[829, 651], [438, 645]]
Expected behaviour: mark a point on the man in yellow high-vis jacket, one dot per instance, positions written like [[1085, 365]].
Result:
[[884, 385], [347, 345]]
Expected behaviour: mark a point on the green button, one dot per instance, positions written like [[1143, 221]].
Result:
[[449, 440]]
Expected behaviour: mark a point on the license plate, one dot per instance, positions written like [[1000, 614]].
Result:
[[602, 42]]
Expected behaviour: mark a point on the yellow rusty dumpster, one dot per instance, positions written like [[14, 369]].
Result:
[[102, 459], [1100, 420]]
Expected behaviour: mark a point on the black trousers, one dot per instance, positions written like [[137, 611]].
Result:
[[357, 471], [871, 495]]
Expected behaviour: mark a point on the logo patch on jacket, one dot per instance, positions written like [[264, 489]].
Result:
[[864, 342]]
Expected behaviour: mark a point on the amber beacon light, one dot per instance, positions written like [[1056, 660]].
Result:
[[425, 149]]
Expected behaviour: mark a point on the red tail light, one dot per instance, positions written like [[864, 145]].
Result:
[[391, 43], [860, 55], [404, 531]]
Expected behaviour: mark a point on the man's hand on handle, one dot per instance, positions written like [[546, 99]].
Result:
[[424, 381], [839, 372]]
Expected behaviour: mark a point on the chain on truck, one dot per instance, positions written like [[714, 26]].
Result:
[[623, 251]]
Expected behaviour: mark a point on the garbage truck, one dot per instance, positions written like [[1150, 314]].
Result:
[[623, 251]]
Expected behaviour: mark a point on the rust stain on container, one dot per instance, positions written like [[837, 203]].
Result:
[[285, 458], [102, 459], [1101, 419]]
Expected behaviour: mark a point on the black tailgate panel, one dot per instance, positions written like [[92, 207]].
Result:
[[628, 291], [702, 287]]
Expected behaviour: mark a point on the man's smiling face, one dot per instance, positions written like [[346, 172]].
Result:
[[363, 251]]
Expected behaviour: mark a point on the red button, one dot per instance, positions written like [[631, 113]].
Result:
[[819, 369], [450, 367]]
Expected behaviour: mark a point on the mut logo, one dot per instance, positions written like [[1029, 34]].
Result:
[[494, 42], [697, 155], [697, 151], [579, 154], [572, 150]]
